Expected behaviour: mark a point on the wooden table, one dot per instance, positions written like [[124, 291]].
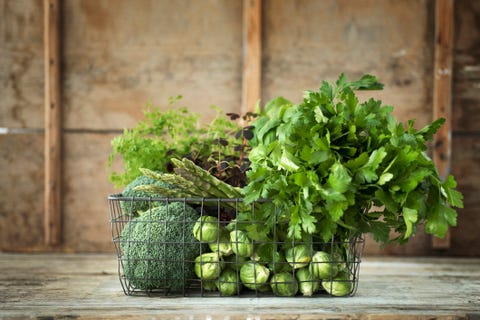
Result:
[[86, 286]]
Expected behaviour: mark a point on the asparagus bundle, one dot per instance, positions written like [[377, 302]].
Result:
[[190, 180]]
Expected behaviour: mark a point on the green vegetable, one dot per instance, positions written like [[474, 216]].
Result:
[[191, 180], [284, 284], [266, 253], [235, 262], [241, 244], [298, 256], [208, 266], [135, 207], [158, 248], [307, 283], [223, 245], [219, 146], [255, 276], [174, 132], [206, 229], [339, 286], [209, 285], [322, 266], [228, 283], [328, 160]]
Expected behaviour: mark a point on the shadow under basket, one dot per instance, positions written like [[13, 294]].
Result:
[[159, 252]]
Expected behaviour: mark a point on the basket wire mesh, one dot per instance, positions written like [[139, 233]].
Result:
[[169, 260]]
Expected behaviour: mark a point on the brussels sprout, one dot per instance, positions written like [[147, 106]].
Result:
[[228, 284], [208, 266], [263, 252], [298, 256], [307, 283], [235, 262], [223, 245], [284, 284], [339, 286], [206, 229], [279, 264], [241, 244], [254, 276], [209, 285], [322, 266]]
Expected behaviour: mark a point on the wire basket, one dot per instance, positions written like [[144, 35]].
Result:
[[157, 242]]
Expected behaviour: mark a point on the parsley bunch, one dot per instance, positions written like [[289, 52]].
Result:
[[328, 161]]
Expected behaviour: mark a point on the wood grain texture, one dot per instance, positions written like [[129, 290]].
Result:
[[442, 95], [466, 93], [22, 201], [86, 287], [118, 58], [53, 124], [309, 41], [252, 54], [21, 64], [86, 187], [442, 86]]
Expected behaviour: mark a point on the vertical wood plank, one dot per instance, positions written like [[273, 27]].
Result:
[[53, 125], [252, 50], [442, 93]]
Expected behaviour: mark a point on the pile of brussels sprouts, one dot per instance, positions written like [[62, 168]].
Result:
[[235, 262]]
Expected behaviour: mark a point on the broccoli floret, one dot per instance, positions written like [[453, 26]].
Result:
[[136, 206], [159, 248]]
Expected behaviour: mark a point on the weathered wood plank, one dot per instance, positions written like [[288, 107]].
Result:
[[309, 41], [85, 190], [86, 286], [21, 64], [118, 58], [53, 124], [252, 50], [442, 94], [21, 189], [466, 98]]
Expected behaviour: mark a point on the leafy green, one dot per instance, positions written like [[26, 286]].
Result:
[[326, 161], [219, 147]]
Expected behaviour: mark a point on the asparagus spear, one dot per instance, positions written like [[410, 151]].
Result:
[[227, 190]]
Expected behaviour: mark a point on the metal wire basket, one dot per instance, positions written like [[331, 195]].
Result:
[[159, 252]]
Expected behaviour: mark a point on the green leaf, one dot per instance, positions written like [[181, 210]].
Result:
[[339, 178], [454, 197], [319, 117], [288, 162], [428, 131], [367, 82], [410, 217], [384, 178], [440, 218], [379, 230]]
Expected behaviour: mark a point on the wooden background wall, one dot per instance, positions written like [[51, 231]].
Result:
[[117, 56]]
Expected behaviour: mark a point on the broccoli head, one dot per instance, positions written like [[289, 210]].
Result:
[[159, 248], [136, 206]]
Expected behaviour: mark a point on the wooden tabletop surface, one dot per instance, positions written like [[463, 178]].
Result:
[[86, 286]]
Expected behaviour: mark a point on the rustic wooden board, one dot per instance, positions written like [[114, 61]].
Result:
[[466, 98], [21, 64], [86, 286], [53, 124], [21, 189], [116, 62], [85, 191], [309, 41]]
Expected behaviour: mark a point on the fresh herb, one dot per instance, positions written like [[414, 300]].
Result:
[[328, 161], [220, 147]]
